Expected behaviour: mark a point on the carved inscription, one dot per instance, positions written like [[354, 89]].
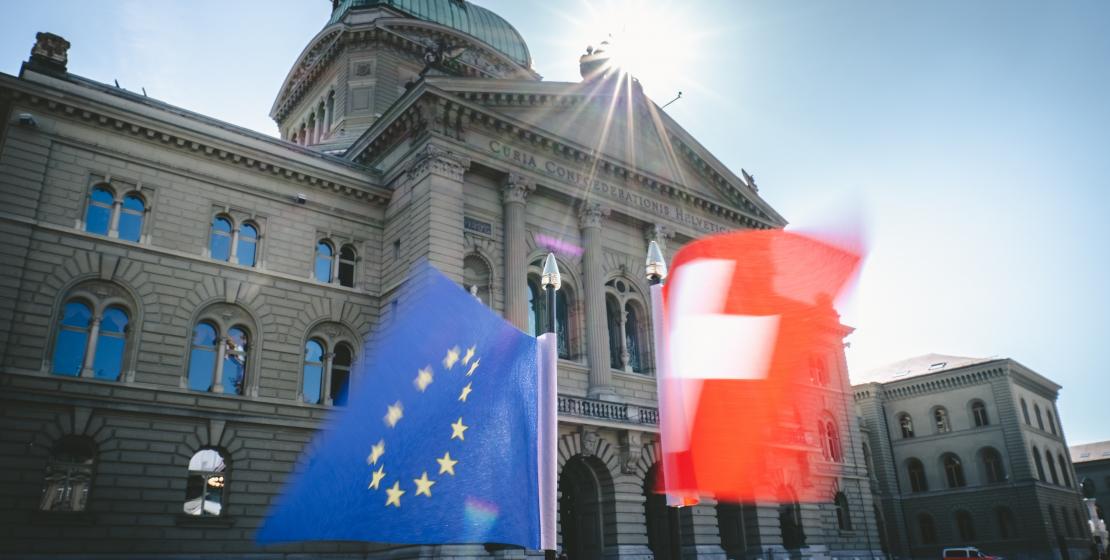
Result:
[[602, 189]]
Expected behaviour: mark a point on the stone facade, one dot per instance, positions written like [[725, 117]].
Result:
[[1092, 470], [970, 452], [127, 207]]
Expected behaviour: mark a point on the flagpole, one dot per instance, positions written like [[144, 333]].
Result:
[[551, 281], [656, 271]]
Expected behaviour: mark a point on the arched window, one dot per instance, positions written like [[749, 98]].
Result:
[[906, 424], [204, 490], [325, 259], [1040, 465], [1025, 412], [328, 356], [1064, 470], [1051, 424], [219, 245], [341, 374], [831, 443], [1067, 523], [73, 339], [953, 471], [347, 259], [247, 246], [326, 371], [313, 371], [915, 470], [940, 420], [131, 218], [331, 109], [537, 310], [928, 528], [632, 339], [476, 280], [218, 358], [1051, 467], [867, 460], [69, 474], [91, 344], [965, 526], [1037, 413], [1007, 524], [979, 414], [627, 325], [992, 466], [843, 516], [111, 341], [98, 214], [818, 373], [613, 318]]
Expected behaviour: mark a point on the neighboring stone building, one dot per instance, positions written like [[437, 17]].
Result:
[[1092, 469], [183, 298], [971, 451]]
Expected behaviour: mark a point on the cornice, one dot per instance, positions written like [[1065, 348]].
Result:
[[430, 110], [940, 382], [67, 106]]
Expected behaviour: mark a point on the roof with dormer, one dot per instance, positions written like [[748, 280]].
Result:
[[462, 16], [925, 364]]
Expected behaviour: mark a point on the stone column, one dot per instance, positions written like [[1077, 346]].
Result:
[[513, 195], [90, 347], [597, 333]]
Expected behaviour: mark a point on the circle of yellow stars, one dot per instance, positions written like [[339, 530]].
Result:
[[396, 411]]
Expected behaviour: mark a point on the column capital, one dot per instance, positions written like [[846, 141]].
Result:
[[590, 214], [433, 159], [516, 188]]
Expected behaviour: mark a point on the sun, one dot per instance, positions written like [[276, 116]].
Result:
[[654, 42]]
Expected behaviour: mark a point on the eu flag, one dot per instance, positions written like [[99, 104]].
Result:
[[438, 443]]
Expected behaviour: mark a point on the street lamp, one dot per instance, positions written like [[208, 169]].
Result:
[[551, 281], [655, 268]]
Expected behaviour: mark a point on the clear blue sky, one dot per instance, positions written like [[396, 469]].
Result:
[[973, 138]]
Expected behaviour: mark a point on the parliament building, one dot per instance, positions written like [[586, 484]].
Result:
[[183, 298]]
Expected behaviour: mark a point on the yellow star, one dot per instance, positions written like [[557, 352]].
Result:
[[469, 354], [423, 485], [376, 452], [423, 378], [457, 429], [396, 411], [378, 476], [465, 392], [473, 367], [395, 494], [452, 357], [446, 464]]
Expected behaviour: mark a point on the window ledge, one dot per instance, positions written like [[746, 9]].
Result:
[[73, 518], [204, 520]]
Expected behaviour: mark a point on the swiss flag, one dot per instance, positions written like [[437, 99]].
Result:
[[747, 323]]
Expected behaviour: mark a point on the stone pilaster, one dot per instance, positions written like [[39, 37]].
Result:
[[432, 215], [597, 333], [514, 193], [700, 535]]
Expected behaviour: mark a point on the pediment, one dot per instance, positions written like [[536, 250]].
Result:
[[629, 130]]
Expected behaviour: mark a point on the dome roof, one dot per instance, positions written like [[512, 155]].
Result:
[[465, 17]]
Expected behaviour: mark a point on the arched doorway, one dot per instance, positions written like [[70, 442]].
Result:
[[581, 516], [659, 529], [790, 523]]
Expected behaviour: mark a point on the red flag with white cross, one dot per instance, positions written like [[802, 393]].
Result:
[[750, 336]]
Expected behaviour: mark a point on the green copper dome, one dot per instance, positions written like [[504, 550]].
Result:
[[475, 21]]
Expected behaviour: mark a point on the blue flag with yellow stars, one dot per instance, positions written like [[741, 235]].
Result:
[[438, 443]]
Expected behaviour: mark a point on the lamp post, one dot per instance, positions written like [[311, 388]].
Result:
[[551, 281], [655, 268]]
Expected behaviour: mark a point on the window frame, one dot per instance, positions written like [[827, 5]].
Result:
[[330, 335], [905, 425], [980, 417], [224, 317], [57, 461], [631, 296], [567, 303], [99, 297], [942, 421], [954, 475], [207, 476], [917, 477]]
